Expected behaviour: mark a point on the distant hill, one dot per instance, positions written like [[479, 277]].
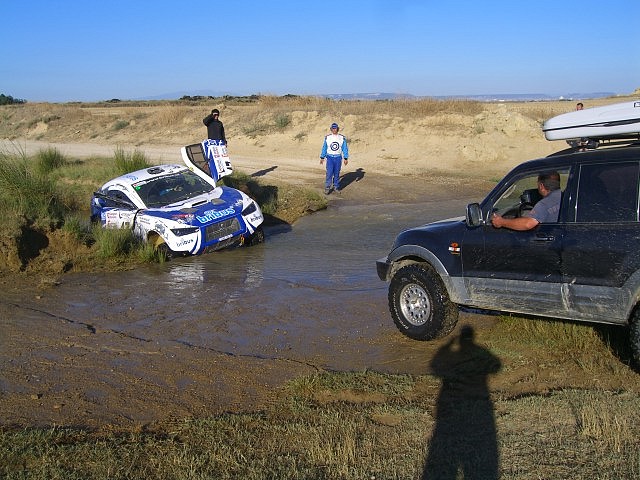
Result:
[[497, 97], [180, 94]]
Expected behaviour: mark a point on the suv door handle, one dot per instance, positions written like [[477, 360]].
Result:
[[542, 237]]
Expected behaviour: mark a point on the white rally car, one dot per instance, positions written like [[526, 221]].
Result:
[[178, 208]]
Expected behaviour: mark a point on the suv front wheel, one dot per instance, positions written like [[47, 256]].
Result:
[[634, 339], [419, 303]]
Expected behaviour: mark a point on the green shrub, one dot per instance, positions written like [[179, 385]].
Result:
[[147, 253], [28, 193], [120, 244], [255, 129], [49, 159], [126, 162], [80, 229], [113, 243], [282, 121], [120, 124]]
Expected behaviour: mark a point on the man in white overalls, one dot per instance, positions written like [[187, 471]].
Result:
[[334, 149]]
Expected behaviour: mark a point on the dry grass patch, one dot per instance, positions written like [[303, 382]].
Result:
[[405, 108], [555, 436], [170, 115]]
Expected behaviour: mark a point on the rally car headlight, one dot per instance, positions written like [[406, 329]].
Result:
[[181, 232], [250, 209]]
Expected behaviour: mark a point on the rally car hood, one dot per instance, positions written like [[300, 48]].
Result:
[[220, 203]]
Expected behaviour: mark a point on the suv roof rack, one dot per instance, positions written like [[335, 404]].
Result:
[[585, 144]]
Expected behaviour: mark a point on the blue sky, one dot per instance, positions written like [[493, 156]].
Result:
[[89, 50]]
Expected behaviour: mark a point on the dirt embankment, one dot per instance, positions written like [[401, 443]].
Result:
[[385, 138]]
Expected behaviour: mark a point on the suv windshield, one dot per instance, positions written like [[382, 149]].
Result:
[[168, 189]]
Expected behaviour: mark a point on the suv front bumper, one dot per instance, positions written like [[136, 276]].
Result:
[[383, 267]]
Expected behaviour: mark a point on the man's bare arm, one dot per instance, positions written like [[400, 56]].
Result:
[[521, 224]]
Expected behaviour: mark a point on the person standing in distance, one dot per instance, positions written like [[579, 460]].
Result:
[[215, 128], [334, 149]]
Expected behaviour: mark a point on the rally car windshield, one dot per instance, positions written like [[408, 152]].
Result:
[[168, 189]]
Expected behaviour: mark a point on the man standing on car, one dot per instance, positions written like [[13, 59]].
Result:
[[215, 128], [334, 149], [545, 211]]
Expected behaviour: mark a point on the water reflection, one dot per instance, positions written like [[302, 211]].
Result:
[[184, 276], [222, 273]]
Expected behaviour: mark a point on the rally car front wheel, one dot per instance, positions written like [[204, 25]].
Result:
[[161, 247], [255, 238], [419, 303]]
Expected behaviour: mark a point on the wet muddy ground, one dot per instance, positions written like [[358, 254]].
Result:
[[219, 332]]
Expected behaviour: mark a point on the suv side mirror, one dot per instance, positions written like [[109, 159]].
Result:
[[474, 215]]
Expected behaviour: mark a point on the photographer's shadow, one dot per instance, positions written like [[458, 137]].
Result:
[[464, 438]]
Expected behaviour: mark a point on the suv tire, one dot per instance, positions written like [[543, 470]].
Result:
[[634, 339], [419, 303]]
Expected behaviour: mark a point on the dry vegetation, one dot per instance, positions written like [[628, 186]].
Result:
[[391, 137], [423, 138]]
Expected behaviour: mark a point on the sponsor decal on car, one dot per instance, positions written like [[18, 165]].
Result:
[[254, 218], [182, 243], [211, 215]]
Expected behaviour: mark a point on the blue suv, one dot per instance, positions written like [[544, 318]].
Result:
[[583, 267]]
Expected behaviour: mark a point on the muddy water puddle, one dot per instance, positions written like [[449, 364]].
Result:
[[216, 333], [309, 294]]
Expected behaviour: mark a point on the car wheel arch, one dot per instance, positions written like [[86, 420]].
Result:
[[154, 238], [407, 254]]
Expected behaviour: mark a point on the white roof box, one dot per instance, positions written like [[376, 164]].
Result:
[[619, 120]]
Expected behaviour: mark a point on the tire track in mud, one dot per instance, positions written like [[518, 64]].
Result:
[[93, 330]]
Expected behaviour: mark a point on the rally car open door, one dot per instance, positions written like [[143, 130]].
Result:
[[208, 158]]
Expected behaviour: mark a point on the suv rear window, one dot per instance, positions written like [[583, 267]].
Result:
[[608, 193]]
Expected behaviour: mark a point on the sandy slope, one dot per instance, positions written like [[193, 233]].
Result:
[[482, 144]]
